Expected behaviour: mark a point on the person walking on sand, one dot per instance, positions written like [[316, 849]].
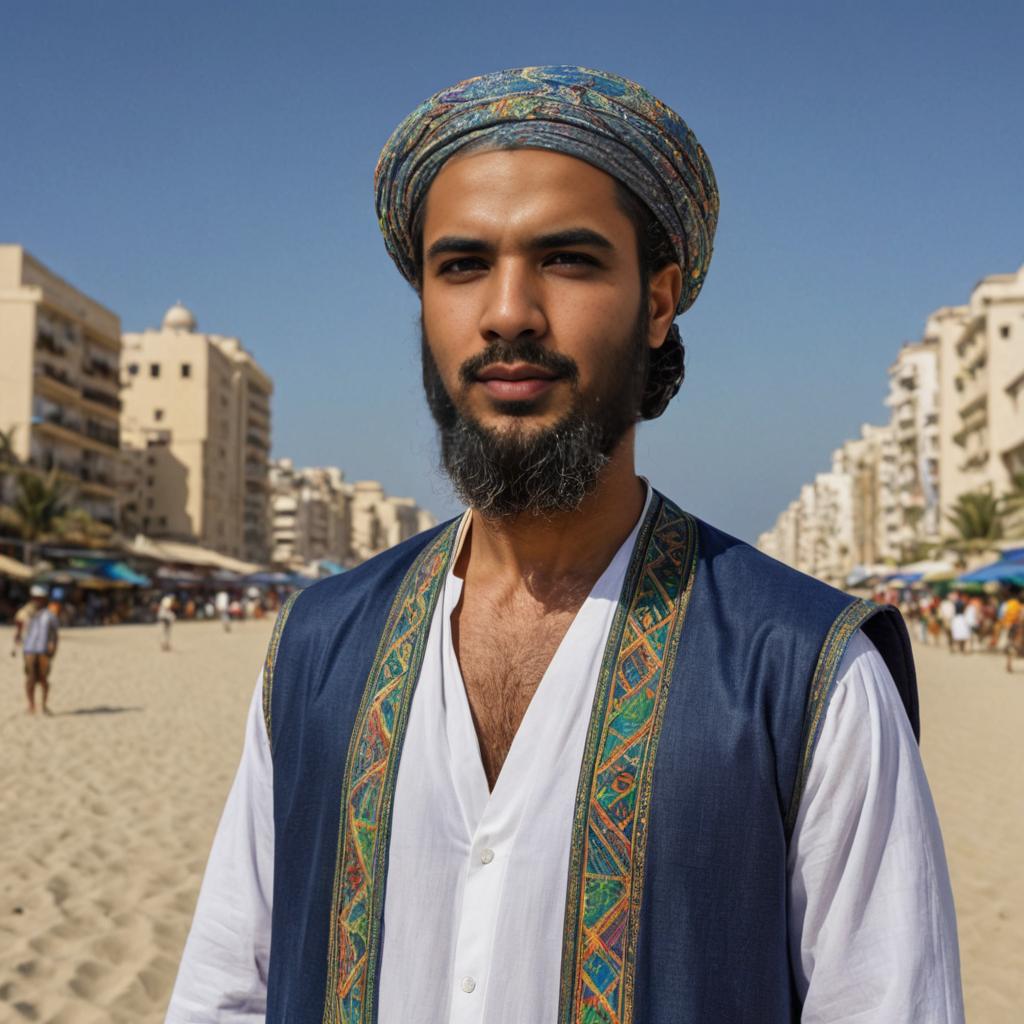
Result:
[[223, 605], [36, 628], [165, 616]]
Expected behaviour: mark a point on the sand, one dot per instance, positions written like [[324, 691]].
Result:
[[107, 810]]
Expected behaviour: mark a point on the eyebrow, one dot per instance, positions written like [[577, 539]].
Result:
[[557, 240]]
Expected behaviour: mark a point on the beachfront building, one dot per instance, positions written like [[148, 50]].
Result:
[[59, 391], [318, 515], [981, 368], [196, 437], [847, 518], [311, 516], [913, 401], [379, 522]]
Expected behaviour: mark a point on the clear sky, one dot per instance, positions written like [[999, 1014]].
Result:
[[870, 158]]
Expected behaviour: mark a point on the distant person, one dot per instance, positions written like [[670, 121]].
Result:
[[37, 628], [1011, 625], [575, 755], [165, 615], [222, 602], [947, 612], [960, 626]]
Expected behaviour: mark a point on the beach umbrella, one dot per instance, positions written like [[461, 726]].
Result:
[[120, 572]]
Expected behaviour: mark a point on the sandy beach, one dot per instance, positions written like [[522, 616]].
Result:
[[107, 810]]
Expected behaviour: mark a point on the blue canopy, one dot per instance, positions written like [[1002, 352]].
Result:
[[904, 577], [1006, 570], [121, 573], [329, 568]]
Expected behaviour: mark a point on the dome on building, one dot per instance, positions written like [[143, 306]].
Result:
[[179, 318]]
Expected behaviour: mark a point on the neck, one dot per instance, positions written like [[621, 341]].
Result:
[[547, 552]]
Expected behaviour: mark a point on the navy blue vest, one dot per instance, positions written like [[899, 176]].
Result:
[[722, 659]]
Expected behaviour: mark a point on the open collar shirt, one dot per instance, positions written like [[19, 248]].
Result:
[[476, 884]]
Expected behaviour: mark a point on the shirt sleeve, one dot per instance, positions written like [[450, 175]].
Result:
[[222, 978], [872, 925]]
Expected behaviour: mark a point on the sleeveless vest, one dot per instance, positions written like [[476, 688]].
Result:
[[711, 696]]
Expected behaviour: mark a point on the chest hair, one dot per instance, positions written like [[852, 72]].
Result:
[[504, 648]]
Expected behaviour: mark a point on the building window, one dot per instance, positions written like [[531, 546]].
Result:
[[158, 414], [133, 369], [1004, 331], [150, 481], [154, 369], [186, 369]]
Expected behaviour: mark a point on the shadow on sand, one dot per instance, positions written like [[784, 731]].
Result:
[[101, 709]]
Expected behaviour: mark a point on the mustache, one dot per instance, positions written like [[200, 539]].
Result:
[[527, 351]]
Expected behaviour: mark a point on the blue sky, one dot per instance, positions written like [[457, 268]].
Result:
[[869, 158]]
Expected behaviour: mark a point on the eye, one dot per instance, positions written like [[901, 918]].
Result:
[[461, 266], [571, 259]]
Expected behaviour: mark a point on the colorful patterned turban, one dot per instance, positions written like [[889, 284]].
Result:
[[595, 116]]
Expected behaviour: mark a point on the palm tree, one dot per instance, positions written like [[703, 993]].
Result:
[[977, 518], [1012, 507], [8, 457], [39, 502]]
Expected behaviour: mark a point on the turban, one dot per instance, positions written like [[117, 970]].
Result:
[[598, 117]]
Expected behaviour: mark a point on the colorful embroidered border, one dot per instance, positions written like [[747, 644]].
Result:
[[271, 658], [849, 620], [609, 845], [368, 788]]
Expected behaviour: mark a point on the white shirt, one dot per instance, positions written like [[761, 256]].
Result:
[[872, 926]]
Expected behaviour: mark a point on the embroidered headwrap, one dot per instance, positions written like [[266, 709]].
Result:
[[596, 116]]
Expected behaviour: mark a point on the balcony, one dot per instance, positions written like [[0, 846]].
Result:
[[100, 371], [48, 343], [103, 398], [105, 435], [256, 441], [56, 375]]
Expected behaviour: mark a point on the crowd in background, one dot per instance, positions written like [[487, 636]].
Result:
[[962, 621]]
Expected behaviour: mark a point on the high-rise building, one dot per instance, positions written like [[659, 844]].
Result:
[[913, 401], [981, 369], [312, 515], [196, 433], [59, 391]]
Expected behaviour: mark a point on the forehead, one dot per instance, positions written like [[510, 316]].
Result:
[[509, 187]]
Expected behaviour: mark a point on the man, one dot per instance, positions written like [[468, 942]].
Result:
[[223, 604], [575, 756], [36, 628]]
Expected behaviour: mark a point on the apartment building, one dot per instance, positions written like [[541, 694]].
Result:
[[981, 366], [312, 515], [196, 434], [59, 390], [913, 401]]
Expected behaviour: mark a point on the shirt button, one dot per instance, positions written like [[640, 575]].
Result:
[[468, 984], [486, 856]]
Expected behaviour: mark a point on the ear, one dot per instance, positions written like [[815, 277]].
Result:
[[663, 297]]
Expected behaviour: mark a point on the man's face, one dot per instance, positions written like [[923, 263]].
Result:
[[534, 328]]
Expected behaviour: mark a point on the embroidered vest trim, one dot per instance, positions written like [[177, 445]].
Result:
[[826, 671], [368, 789], [271, 658], [610, 823]]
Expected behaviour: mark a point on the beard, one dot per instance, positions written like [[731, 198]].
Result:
[[505, 473]]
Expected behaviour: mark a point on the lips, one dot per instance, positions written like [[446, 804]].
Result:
[[517, 372], [516, 382]]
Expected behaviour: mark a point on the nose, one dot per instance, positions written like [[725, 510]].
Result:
[[513, 310]]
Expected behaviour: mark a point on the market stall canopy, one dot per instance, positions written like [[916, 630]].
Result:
[[926, 571], [13, 569], [82, 578], [178, 553], [1006, 570], [119, 572]]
